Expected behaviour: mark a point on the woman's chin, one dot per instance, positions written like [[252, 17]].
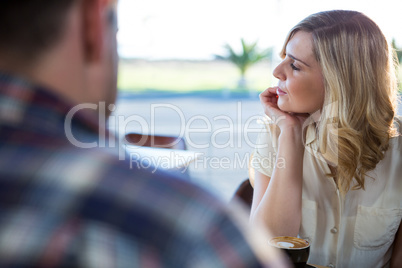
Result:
[[285, 108], [291, 110]]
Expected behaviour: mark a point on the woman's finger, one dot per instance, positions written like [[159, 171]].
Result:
[[269, 95]]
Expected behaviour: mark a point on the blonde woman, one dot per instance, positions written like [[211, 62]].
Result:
[[328, 166]]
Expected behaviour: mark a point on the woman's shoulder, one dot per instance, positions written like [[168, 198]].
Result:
[[269, 125]]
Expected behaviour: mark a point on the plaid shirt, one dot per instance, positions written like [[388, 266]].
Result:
[[64, 206]]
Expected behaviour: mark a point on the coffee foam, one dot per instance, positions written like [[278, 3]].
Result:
[[288, 242], [285, 244]]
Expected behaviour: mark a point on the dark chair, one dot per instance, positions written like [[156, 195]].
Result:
[[244, 193], [159, 141]]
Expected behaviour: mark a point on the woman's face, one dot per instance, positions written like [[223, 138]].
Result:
[[301, 84]]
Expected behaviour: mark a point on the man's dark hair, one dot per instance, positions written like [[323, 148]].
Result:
[[29, 27]]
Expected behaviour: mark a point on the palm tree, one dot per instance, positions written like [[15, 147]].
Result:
[[249, 55]]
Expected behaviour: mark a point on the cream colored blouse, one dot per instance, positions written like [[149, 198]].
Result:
[[357, 230]]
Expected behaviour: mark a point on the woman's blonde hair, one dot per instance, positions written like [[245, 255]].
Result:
[[358, 67]]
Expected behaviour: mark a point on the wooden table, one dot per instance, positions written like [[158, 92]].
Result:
[[162, 157]]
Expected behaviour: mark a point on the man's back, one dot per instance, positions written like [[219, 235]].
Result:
[[64, 205], [70, 207]]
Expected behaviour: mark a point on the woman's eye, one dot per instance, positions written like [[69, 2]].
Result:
[[294, 67]]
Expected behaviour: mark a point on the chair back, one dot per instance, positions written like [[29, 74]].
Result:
[[244, 193], [159, 141]]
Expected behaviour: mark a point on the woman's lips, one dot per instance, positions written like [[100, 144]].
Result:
[[280, 92]]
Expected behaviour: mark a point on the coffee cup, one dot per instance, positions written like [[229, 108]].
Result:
[[297, 249]]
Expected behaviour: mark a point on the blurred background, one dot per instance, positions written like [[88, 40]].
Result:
[[205, 62], [195, 31]]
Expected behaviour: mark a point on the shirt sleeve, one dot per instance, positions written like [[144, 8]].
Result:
[[263, 158]]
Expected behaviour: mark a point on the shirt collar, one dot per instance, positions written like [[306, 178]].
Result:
[[311, 134], [24, 103]]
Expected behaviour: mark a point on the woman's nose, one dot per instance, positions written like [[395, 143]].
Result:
[[278, 72]]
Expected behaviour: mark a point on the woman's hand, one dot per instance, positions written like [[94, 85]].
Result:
[[269, 101]]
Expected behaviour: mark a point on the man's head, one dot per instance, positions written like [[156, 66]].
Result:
[[66, 45], [28, 28]]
